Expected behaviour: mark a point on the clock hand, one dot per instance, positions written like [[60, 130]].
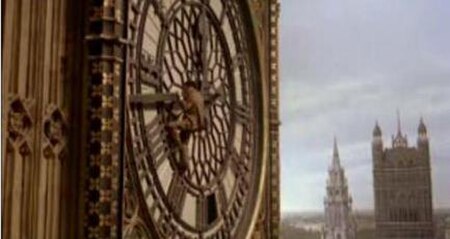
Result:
[[153, 98], [204, 39]]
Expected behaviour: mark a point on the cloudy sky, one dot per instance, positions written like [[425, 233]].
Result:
[[346, 64]]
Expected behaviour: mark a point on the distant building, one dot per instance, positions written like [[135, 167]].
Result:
[[339, 221], [447, 228], [402, 186]]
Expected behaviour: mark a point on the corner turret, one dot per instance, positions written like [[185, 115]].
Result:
[[422, 139], [336, 161], [377, 144], [422, 129], [376, 133]]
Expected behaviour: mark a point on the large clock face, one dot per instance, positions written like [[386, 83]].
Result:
[[193, 118]]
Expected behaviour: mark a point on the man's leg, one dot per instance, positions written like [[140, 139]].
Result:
[[184, 162], [177, 131], [184, 139]]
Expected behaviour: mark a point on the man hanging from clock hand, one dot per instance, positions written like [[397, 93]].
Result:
[[193, 118]]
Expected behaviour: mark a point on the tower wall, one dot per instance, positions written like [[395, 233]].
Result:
[[402, 190]]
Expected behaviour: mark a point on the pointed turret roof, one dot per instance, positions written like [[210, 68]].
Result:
[[399, 140], [376, 129], [336, 161], [422, 128], [399, 124]]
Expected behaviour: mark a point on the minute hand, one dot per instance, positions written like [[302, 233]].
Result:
[[204, 39]]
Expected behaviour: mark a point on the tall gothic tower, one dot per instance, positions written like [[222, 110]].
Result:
[[402, 186], [94, 96], [339, 222]]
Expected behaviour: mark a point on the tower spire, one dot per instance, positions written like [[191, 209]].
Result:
[[399, 140], [399, 126], [422, 128], [338, 202], [376, 130], [335, 153]]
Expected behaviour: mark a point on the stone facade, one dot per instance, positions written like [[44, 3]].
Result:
[[339, 221], [38, 174], [402, 186]]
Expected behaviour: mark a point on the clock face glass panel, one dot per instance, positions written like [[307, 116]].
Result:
[[202, 43]]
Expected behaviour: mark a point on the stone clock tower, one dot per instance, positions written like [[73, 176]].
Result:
[[140, 119]]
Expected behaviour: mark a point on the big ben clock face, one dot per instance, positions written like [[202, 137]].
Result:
[[193, 118]]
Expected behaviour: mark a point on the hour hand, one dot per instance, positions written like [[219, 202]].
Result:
[[153, 98]]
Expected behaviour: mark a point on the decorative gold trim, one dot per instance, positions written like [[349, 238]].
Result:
[[265, 113], [103, 191]]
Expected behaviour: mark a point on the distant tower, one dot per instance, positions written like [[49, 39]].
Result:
[[402, 186], [339, 221]]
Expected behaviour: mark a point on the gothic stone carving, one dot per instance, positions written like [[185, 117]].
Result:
[[54, 132]]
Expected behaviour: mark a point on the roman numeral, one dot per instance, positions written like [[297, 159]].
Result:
[[146, 186], [242, 113], [177, 194], [149, 72], [238, 164], [221, 197], [156, 136], [145, 181]]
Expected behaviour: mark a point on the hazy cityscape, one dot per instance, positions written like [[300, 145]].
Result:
[[308, 225], [339, 220]]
